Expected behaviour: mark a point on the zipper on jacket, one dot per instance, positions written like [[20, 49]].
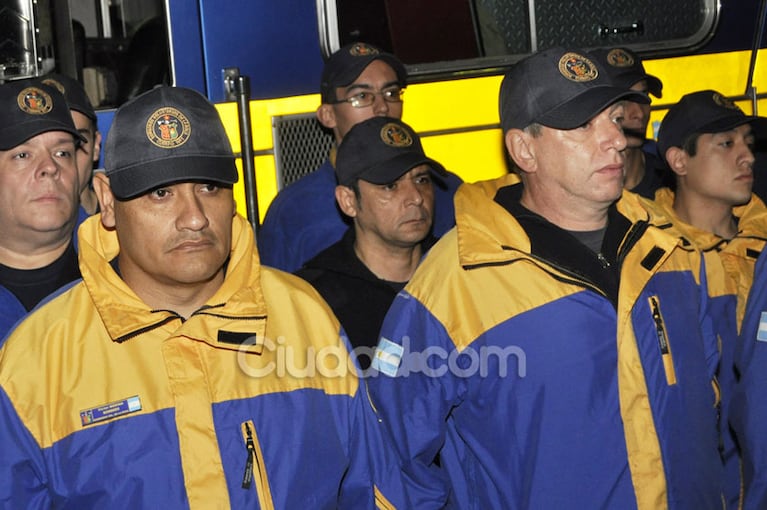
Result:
[[255, 470], [632, 237], [662, 334]]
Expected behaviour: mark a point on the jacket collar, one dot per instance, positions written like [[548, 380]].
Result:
[[488, 234], [752, 221], [234, 318]]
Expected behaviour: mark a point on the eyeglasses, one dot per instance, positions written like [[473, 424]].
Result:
[[368, 97]]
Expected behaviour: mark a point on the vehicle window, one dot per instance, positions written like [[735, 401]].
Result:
[[116, 48], [485, 33]]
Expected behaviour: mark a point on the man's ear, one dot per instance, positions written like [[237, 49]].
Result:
[[521, 149], [96, 147], [677, 160], [347, 200], [106, 199], [327, 116]]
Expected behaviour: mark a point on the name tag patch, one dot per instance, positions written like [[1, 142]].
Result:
[[107, 411]]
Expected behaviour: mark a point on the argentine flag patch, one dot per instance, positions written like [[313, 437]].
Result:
[[761, 333], [387, 357]]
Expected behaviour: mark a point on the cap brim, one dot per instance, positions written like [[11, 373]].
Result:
[[758, 125], [587, 105], [17, 134], [654, 85], [390, 170], [130, 182], [354, 70]]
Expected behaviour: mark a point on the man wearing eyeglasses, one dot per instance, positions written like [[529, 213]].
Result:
[[359, 82]]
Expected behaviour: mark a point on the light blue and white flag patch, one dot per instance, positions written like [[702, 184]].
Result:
[[761, 333], [388, 357]]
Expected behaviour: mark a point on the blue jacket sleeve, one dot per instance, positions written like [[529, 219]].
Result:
[[22, 469], [368, 453], [412, 394], [301, 221]]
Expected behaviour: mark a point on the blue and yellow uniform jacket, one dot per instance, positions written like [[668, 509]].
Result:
[[510, 379], [749, 406], [105, 403], [729, 273]]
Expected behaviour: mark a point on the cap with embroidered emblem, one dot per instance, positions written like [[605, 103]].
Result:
[[561, 88], [346, 64], [705, 111], [166, 135], [31, 108], [626, 69], [380, 150], [74, 93]]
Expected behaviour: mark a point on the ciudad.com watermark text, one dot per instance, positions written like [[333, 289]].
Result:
[[282, 359]]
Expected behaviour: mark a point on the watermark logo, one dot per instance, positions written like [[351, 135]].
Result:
[[279, 358]]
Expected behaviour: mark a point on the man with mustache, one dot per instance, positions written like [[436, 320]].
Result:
[[359, 81], [39, 189], [179, 373], [645, 170], [385, 187], [707, 141]]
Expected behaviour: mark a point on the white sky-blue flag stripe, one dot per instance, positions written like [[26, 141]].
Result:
[[761, 333], [387, 357]]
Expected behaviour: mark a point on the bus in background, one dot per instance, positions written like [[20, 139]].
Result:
[[260, 62]]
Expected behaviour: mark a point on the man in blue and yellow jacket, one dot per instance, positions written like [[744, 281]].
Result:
[[706, 141], [178, 373], [553, 350]]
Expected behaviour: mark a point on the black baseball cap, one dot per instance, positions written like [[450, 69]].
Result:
[[626, 69], [166, 135], [30, 108], [74, 93], [705, 111], [346, 64], [561, 88], [380, 150]]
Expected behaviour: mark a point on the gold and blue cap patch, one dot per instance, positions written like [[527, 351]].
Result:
[[164, 136], [704, 111], [561, 88], [380, 150], [345, 65], [31, 108], [625, 69]]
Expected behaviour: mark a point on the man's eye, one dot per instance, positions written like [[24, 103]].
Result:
[[160, 193]]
